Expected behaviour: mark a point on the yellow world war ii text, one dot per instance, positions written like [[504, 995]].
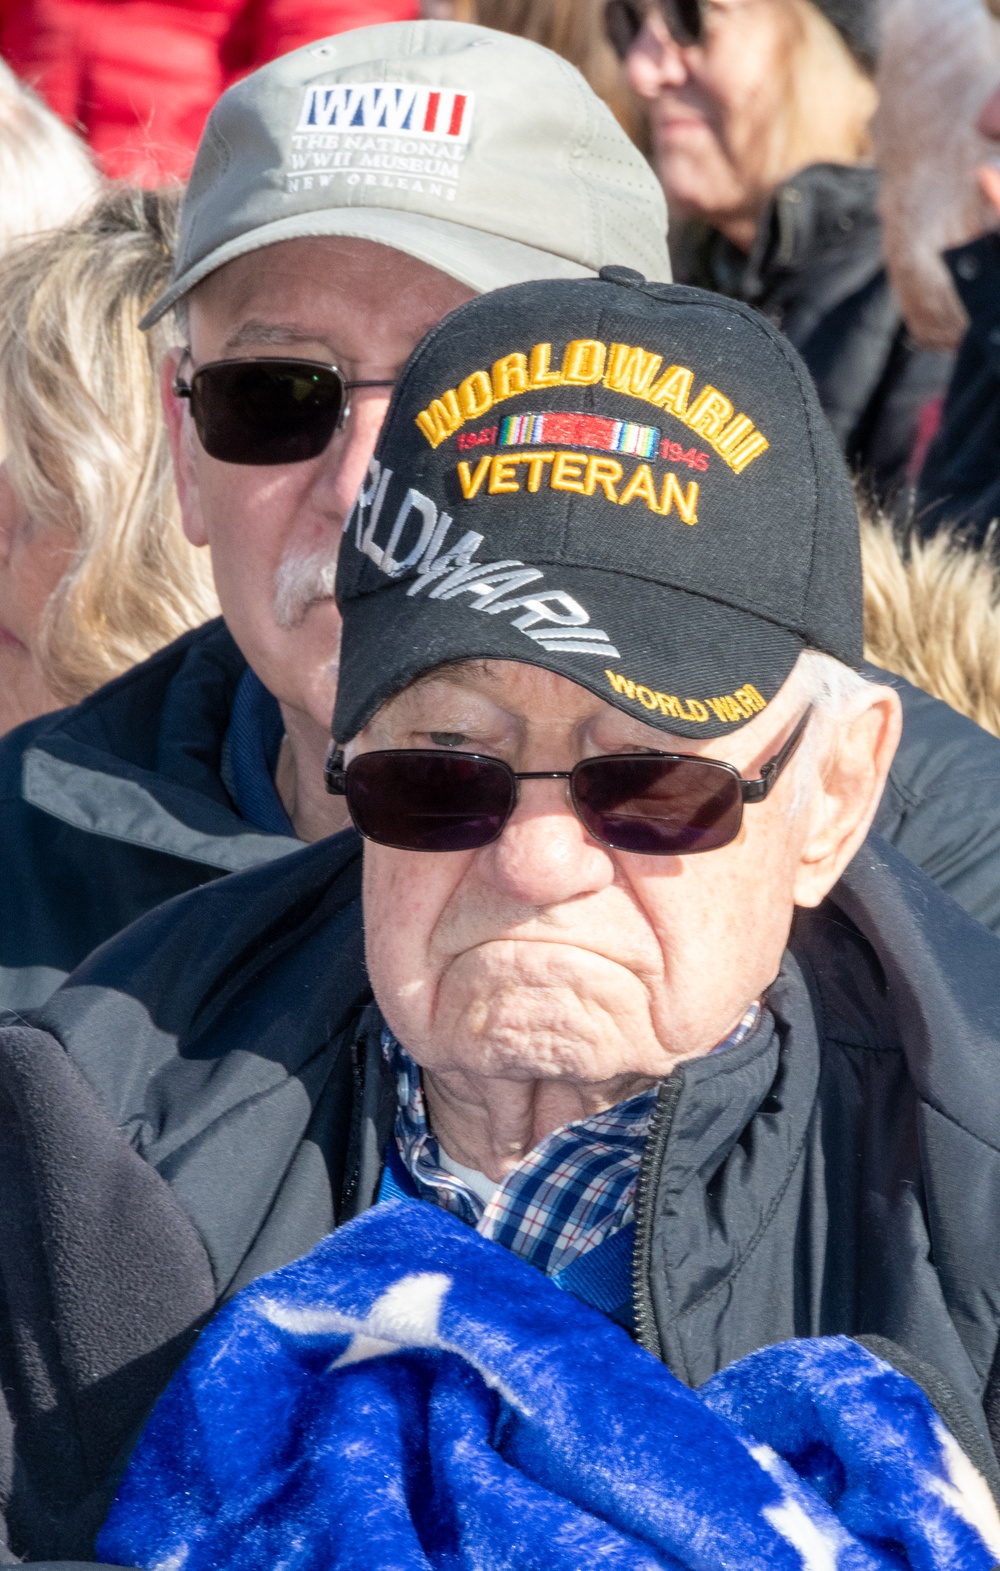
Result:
[[622, 368], [731, 708], [501, 474]]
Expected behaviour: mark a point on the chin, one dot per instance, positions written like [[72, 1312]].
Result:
[[304, 661], [684, 181], [545, 1053], [514, 1037], [529, 1011]]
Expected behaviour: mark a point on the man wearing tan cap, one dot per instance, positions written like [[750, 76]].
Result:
[[344, 199]]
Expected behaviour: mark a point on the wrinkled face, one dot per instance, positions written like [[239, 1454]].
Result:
[[547, 954], [274, 531], [719, 110], [32, 561]]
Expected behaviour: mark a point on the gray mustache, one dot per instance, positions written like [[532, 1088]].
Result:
[[302, 580]]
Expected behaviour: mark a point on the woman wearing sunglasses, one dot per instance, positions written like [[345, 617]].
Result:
[[760, 114]]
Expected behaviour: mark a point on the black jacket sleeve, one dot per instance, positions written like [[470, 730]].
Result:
[[103, 1283], [175, 1121]]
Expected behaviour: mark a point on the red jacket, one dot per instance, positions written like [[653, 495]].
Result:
[[139, 77]]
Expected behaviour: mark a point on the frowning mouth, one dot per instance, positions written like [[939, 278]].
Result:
[[578, 947]]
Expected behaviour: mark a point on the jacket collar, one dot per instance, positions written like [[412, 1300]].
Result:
[[140, 760], [975, 271], [889, 970], [812, 220]]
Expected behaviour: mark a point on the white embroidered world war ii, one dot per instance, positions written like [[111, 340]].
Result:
[[388, 134], [551, 617]]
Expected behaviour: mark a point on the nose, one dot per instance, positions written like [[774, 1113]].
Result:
[[545, 857], [989, 116], [341, 468], [655, 62]]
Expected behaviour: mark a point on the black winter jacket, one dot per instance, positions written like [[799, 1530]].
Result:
[[206, 1098], [960, 480], [816, 270], [111, 808]]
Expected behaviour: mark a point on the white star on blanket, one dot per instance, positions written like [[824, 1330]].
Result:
[[406, 1315]]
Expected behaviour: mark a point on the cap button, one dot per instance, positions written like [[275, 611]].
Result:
[[622, 275]]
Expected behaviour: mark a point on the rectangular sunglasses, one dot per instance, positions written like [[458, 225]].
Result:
[[267, 411], [625, 19], [653, 804]]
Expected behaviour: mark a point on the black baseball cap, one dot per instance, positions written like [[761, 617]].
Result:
[[631, 484]]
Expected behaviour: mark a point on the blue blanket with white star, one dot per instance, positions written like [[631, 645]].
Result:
[[410, 1395]]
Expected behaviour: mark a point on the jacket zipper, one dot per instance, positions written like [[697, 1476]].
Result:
[[646, 1331]]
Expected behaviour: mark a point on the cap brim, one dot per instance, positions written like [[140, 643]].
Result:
[[475, 258], [675, 660]]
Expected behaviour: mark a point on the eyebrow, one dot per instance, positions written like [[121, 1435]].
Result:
[[259, 332], [453, 671]]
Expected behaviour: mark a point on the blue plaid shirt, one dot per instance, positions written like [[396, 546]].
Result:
[[573, 1191]]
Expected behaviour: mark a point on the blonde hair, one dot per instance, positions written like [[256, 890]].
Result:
[[46, 174], [932, 615], [573, 29], [87, 448], [834, 97]]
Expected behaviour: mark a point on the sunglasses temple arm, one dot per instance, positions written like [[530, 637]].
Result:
[[757, 790], [181, 389], [335, 775]]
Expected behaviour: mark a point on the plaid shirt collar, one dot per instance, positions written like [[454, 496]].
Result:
[[569, 1194]]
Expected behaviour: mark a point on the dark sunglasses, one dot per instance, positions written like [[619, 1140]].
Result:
[[654, 804], [267, 411], [625, 19]]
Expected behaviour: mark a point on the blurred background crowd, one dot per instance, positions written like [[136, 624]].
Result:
[[833, 163]]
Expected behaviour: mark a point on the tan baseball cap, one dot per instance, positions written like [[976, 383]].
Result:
[[480, 153]]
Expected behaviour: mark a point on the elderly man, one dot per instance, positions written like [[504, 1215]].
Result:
[[344, 199], [320, 249], [648, 1009]]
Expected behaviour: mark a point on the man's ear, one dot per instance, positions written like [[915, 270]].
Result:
[[862, 743], [180, 434]]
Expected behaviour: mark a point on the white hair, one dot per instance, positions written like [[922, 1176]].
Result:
[[46, 174], [827, 683], [831, 688], [939, 62], [302, 579]]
